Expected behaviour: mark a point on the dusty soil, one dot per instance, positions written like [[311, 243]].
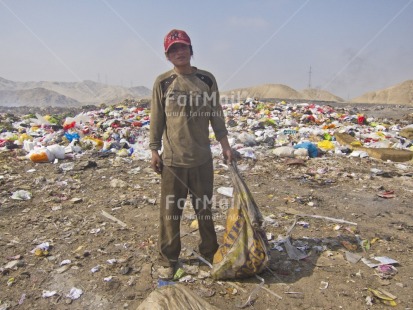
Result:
[[66, 211]]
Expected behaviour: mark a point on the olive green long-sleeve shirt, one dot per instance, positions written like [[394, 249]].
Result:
[[182, 108]]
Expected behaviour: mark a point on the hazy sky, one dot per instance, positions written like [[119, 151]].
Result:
[[352, 46]]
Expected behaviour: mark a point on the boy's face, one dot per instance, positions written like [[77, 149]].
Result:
[[179, 54]]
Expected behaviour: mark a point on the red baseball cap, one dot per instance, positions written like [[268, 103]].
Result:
[[175, 36]]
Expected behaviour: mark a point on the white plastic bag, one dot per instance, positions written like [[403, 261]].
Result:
[[57, 150]]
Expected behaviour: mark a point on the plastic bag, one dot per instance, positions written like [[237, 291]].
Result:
[[244, 251], [312, 149], [57, 150], [326, 145], [284, 151], [175, 297], [41, 155]]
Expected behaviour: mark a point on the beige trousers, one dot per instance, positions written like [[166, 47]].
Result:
[[176, 184]]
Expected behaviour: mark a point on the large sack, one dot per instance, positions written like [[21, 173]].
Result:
[[244, 251], [174, 297], [284, 151]]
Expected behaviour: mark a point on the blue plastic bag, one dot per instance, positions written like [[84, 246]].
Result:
[[72, 136], [311, 148]]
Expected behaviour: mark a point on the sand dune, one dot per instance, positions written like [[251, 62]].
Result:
[[282, 92], [67, 93], [398, 94], [38, 97], [319, 94]]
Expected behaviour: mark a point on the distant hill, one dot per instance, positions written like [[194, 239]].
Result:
[[283, 92], [59, 94], [38, 97], [398, 94], [320, 95], [69, 93], [265, 91]]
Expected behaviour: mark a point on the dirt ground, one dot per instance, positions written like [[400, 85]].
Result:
[[66, 211]]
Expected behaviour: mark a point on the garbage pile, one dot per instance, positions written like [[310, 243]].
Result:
[[257, 129], [119, 130], [307, 129]]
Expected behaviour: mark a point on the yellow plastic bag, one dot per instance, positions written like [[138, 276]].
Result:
[[326, 145], [244, 251]]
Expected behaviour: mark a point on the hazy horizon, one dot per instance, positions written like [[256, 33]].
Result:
[[351, 46]]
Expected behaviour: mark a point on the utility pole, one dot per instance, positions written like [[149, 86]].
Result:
[[309, 78]]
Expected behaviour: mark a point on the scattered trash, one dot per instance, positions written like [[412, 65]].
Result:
[[65, 262], [63, 269], [16, 257], [254, 294], [14, 264], [365, 245], [187, 279], [387, 194], [386, 271], [219, 228], [179, 274], [74, 293], [226, 191], [194, 224], [353, 257], [47, 294], [384, 296], [383, 260], [22, 299], [21, 195], [111, 217], [203, 274], [42, 249], [293, 252], [269, 221], [303, 224], [323, 285], [165, 283], [67, 166]]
